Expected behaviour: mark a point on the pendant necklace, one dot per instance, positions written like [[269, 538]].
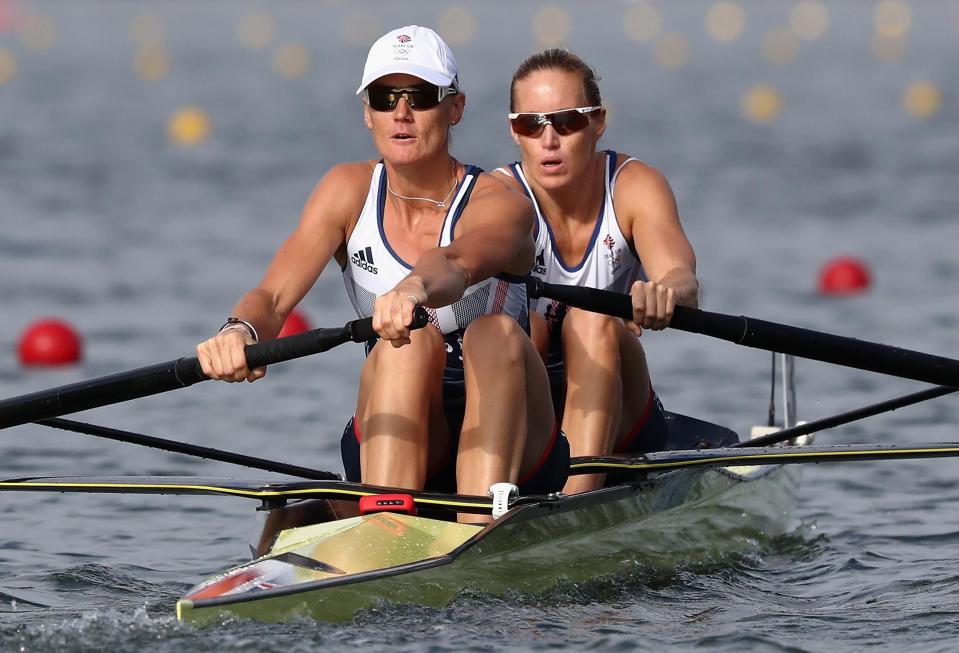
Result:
[[439, 204]]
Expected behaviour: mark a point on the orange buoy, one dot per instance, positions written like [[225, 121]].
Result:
[[49, 342], [295, 323], [844, 275]]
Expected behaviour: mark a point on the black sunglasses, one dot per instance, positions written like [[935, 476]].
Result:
[[565, 122], [420, 97]]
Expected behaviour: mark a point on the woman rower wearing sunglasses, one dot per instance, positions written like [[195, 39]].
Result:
[[462, 403], [604, 220]]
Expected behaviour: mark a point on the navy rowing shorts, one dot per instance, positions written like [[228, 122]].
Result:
[[549, 475]]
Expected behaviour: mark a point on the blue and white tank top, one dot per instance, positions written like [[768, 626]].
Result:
[[373, 268], [609, 262]]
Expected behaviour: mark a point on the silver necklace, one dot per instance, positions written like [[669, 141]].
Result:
[[439, 204]]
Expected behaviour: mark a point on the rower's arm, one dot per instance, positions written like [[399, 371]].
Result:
[[646, 202], [299, 261], [492, 236], [504, 176]]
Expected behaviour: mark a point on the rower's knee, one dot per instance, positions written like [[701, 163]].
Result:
[[592, 330], [426, 349], [495, 340], [428, 337]]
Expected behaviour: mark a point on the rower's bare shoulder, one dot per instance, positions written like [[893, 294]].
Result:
[[640, 176], [494, 203], [351, 178], [341, 192], [505, 177], [492, 190], [643, 196]]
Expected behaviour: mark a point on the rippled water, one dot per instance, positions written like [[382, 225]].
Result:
[[145, 246]]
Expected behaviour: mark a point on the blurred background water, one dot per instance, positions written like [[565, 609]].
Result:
[[154, 154]]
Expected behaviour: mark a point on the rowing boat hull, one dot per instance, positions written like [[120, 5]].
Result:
[[688, 516]]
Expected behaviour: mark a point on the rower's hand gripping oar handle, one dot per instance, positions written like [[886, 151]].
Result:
[[319, 340], [303, 344], [620, 305], [174, 374], [770, 336]]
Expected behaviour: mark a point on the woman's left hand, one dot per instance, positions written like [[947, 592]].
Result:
[[653, 305]]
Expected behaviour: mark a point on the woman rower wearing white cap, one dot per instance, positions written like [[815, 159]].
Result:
[[464, 402], [604, 220]]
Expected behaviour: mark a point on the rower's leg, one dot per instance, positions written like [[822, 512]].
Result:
[[636, 388], [539, 334], [596, 349], [399, 410], [508, 422]]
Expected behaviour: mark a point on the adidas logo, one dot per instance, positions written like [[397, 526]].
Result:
[[364, 259], [539, 267]]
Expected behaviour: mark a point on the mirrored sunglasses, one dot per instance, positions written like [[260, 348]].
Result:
[[420, 97], [565, 122]]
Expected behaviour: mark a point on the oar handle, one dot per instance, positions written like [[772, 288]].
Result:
[[319, 340], [174, 374], [770, 336], [308, 343], [590, 299], [717, 325]]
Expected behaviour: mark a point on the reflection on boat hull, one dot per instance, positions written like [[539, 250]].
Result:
[[687, 516]]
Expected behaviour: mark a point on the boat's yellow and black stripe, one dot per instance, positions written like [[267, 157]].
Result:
[[665, 461], [231, 487], [270, 491]]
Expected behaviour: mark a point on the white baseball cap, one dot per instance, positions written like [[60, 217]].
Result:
[[413, 50]]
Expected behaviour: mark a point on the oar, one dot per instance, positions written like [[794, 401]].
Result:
[[175, 374], [847, 417], [188, 449], [782, 338], [754, 456]]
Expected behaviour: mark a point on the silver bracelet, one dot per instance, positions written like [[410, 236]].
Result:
[[237, 323]]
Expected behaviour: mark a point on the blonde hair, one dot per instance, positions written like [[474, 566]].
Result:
[[558, 59]]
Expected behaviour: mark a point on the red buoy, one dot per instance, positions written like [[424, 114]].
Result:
[[49, 342], [844, 275], [8, 16], [295, 323]]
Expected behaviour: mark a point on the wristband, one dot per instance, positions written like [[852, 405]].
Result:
[[237, 323]]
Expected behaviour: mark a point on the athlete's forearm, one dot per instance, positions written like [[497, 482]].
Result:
[[257, 307], [684, 283], [443, 279]]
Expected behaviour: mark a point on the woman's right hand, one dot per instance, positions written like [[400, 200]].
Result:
[[393, 311], [223, 358]]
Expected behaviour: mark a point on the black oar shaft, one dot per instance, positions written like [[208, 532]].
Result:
[[847, 417], [179, 373], [101, 391], [782, 338], [189, 449], [826, 347]]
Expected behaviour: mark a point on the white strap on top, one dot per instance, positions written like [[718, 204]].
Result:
[[612, 183]]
